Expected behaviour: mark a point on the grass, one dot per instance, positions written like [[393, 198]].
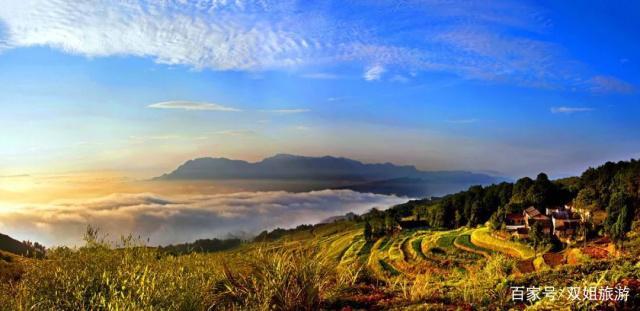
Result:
[[446, 241], [385, 243], [464, 241], [388, 268], [326, 271], [482, 237], [417, 248]]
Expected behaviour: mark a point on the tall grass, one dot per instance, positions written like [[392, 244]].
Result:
[[134, 277], [291, 280]]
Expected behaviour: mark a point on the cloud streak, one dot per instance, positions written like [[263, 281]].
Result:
[[191, 106], [182, 218], [374, 73], [570, 110], [608, 84], [288, 111]]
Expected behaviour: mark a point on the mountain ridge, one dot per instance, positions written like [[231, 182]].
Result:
[[336, 172]]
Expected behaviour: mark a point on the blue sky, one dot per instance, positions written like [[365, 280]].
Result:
[[508, 86]]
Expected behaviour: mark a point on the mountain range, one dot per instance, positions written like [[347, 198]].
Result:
[[301, 173]]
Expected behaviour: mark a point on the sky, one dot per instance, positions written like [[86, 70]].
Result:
[[511, 87]]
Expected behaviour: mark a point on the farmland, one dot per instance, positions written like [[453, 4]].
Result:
[[331, 265]]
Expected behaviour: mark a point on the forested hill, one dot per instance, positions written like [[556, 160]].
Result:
[[8, 244], [611, 190]]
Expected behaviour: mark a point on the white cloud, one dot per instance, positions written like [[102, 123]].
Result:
[[399, 78], [321, 76], [221, 35], [608, 84], [374, 73], [469, 39], [288, 111], [337, 99], [183, 218], [570, 110], [187, 105]]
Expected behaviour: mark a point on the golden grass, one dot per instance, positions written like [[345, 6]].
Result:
[[482, 237]]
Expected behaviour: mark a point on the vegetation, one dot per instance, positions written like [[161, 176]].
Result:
[[483, 237], [26, 248], [202, 246], [367, 262]]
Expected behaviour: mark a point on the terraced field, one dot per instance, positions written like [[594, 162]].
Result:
[[482, 237], [411, 252]]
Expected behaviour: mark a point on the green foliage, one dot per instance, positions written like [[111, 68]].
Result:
[[537, 236], [202, 246], [367, 232], [620, 215]]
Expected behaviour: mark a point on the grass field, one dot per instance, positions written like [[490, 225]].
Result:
[[333, 267], [482, 237], [463, 241]]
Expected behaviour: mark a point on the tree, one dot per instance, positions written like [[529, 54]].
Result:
[[368, 232], [620, 215], [390, 222], [537, 236], [459, 218], [497, 219], [586, 201]]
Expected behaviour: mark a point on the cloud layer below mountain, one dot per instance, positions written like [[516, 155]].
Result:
[[177, 219]]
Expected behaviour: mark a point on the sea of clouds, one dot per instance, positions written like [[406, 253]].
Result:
[[163, 220]]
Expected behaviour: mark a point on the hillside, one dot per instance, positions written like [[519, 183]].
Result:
[[16, 247], [332, 265]]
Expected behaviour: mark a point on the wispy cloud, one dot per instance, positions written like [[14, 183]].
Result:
[[140, 139], [570, 110], [374, 73], [288, 111], [321, 76], [192, 106], [473, 40], [399, 78], [608, 84], [335, 99], [222, 35], [183, 218]]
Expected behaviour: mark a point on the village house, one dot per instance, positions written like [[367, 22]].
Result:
[[561, 221], [532, 215], [583, 213], [565, 222], [514, 224]]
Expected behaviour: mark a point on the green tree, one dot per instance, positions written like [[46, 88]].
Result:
[[586, 201], [368, 232], [498, 218], [537, 236], [620, 215]]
